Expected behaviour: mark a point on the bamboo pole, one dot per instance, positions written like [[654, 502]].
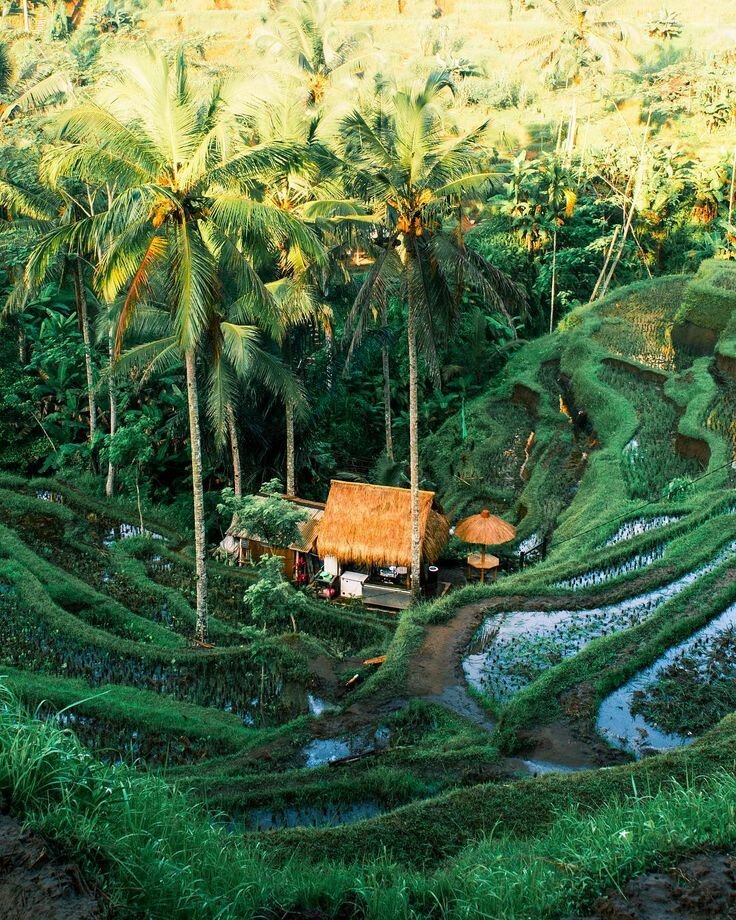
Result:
[[594, 295], [630, 219]]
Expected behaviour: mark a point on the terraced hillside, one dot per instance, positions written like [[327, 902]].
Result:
[[457, 778]]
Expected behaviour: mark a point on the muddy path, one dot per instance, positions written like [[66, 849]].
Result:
[[435, 675], [435, 665], [35, 885]]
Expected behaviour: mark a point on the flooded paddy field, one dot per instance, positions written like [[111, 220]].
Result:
[[652, 713], [511, 649]]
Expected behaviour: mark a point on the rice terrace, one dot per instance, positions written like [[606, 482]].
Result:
[[367, 460]]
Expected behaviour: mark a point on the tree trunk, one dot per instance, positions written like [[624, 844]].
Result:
[[330, 373], [290, 458], [604, 270], [554, 286], [416, 549], [235, 453], [200, 549], [632, 208], [387, 395], [110, 483], [387, 421], [138, 498], [81, 298], [26, 17], [22, 345]]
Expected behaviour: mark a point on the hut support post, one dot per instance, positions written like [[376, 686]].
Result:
[[482, 563]]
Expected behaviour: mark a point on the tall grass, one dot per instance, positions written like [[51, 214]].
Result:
[[157, 855]]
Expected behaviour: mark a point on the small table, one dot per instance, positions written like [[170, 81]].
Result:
[[485, 563]]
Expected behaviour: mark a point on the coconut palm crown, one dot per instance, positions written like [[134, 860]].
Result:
[[185, 210], [416, 174]]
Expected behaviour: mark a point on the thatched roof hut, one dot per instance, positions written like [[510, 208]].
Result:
[[371, 525]]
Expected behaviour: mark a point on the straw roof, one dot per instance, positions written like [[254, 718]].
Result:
[[371, 525], [307, 528], [485, 528]]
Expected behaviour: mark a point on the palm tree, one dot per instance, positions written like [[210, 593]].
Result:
[[42, 206], [311, 192], [177, 231], [580, 34], [31, 90], [302, 34], [230, 354], [561, 198], [415, 174]]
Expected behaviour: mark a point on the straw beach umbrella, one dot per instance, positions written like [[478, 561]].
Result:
[[485, 529]]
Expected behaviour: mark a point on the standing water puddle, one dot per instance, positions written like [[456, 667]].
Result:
[[318, 706], [331, 814], [511, 650], [125, 531], [323, 751], [628, 732], [46, 495], [544, 767]]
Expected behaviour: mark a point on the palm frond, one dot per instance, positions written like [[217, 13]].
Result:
[[40, 94], [242, 347]]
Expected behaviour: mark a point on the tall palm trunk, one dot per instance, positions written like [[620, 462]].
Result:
[[110, 483], [81, 298], [235, 452], [416, 550], [330, 372], [387, 393], [554, 286], [290, 450], [26, 17], [200, 548]]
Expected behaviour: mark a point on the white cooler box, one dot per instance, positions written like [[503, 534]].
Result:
[[351, 584]]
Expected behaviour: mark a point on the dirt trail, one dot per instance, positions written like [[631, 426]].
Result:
[[436, 664], [436, 675], [34, 885], [435, 669]]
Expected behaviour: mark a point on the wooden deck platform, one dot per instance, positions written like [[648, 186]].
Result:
[[386, 596]]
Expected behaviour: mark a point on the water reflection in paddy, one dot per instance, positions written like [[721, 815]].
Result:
[[633, 732], [330, 814], [510, 650], [322, 751]]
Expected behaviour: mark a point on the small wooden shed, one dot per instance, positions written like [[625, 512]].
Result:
[[365, 538], [300, 559]]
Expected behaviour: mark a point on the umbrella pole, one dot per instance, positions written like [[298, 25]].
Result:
[[482, 563]]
